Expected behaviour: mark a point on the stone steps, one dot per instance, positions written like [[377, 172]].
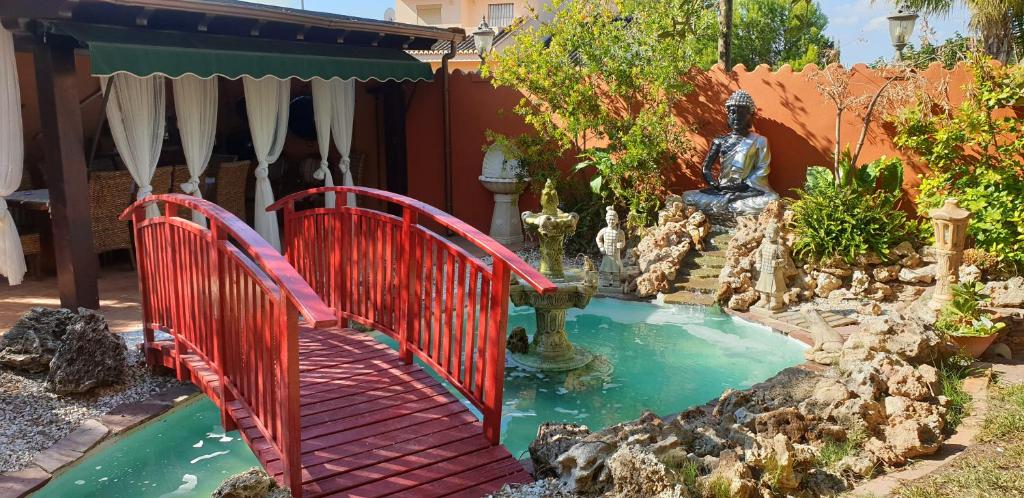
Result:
[[697, 282]]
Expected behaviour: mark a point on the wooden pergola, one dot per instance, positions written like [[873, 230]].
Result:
[[54, 50]]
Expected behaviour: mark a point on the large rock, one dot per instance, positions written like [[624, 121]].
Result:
[[637, 472], [1010, 294], [923, 275], [253, 483], [90, 356], [914, 429], [552, 440], [826, 283], [898, 335], [30, 344], [778, 458], [886, 273]]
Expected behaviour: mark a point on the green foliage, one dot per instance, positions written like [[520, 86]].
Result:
[[833, 451], [777, 32], [689, 472], [852, 213], [949, 53], [963, 315], [719, 487], [975, 155], [607, 74], [952, 372], [578, 198]]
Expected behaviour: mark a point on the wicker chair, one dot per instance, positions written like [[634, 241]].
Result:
[[110, 192], [232, 179]]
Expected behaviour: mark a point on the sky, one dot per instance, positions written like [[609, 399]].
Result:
[[859, 26]]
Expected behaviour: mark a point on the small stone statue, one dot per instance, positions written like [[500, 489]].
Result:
[[742, 186], [610, 241], [770, 260]]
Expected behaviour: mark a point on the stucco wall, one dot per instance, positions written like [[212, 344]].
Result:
[[798, 122], [456, 13]]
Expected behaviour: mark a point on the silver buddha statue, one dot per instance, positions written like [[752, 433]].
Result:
[[742, 185]]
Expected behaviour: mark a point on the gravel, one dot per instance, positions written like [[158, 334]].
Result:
[[32, 419]]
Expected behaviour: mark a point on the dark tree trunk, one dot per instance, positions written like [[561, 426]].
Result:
[[725, 33]]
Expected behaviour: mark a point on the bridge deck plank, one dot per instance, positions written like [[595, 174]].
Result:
[[373, 426]]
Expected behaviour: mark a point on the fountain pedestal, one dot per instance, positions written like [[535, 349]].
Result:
[[550, 349]]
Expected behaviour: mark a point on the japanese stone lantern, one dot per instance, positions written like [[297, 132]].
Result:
[[499, 176], [950, 222]]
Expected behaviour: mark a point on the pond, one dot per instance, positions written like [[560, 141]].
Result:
[[665, 358]]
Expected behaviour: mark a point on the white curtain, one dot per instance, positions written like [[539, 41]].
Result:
[[12, 153], [266, 103], [136, 112], [195, 104], [343, 98], [322, 112]]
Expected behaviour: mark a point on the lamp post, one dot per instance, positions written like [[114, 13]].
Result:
[[483, 38], [901, 26], [950, 222]]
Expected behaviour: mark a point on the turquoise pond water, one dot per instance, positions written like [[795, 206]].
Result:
[[661, 358]]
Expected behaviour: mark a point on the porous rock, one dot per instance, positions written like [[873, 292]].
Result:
[[743, 301], [518, 341], [886, 273], [89, 356], [30, 344], [923, 275], [637, 472], [552, 440], [826, 283], [253, 483]]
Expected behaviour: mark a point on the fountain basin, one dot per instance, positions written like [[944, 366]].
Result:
[[550, 349]]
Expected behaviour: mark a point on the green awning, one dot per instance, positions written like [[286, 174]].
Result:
[[143, 52]]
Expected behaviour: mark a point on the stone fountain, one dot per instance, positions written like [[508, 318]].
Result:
[[551, 349]]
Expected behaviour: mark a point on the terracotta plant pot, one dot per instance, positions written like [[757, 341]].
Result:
[[974, 345]]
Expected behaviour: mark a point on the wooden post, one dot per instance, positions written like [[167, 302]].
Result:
[[494, 364], [218, 290], [409, 277], [65, 173], [290, 430]]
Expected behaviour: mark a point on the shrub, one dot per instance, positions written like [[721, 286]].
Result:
[[963, 315], [975, 155], [852, 213]]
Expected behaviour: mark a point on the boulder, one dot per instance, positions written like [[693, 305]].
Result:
[[914, 429], [777, 458], [858, 412], [1010, 295], [908, 382], [865, 381], [743, 301], [886, 273], [637, 472], [552, 440], [860, 282], [923, 275], [30, 344], [253, 483], [518, 341], [969, 273], [861, 464], [903, 249], [785, 421], [90, 356], [825, 283], [582, 469], [734, 473]]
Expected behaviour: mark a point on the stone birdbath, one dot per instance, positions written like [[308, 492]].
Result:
[[498, 176], [550, 349]]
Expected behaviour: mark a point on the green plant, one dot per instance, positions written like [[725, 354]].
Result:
[[952, 372], [1006, 418], [601, 78], [975, 154], [777, 32], [718, 487], [963, 316], [850, 213], [832, 452]]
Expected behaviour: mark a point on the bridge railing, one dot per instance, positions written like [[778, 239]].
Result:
[[440, 303], [226, 296]]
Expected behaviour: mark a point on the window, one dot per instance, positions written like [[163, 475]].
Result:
[[429, 15], [499, 15]]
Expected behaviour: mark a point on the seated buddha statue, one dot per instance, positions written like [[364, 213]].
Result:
[[742, 184]]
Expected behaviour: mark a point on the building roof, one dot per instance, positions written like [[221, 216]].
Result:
[[232, 18], [466, 46]]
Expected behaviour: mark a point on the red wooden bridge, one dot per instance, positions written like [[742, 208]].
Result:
[[329, 410]]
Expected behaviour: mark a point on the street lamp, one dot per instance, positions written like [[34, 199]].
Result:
[[901, 26], [483, 38]]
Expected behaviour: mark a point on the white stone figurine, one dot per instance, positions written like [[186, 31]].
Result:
[[770, 260], [610, 241]]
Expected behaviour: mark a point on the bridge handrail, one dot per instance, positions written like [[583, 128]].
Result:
[[299, 293], [491, 247]]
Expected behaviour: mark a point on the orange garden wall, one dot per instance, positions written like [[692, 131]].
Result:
[[798, 122]]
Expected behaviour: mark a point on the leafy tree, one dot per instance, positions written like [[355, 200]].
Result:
[[777, 32], [948, 53], [601, 78], [976, 154], [999, 23]]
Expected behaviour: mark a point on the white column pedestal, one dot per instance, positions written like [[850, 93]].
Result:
[[506, 223]]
